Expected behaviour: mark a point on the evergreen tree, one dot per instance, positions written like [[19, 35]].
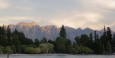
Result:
[[3, 39], [63, 32], [83, 40], [78, 41], [91, 37], [113, 40], [51, 42], [109, 40], [109, 35], [67, 45], [44, 40], [109, 48], [37, 42], [103, 49], [91, 42], [103, 39], [8, 34], [113, 43], [60, 45], [95, 35], [97, 44], [3, 30]]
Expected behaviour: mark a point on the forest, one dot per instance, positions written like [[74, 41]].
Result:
[[16, 43]]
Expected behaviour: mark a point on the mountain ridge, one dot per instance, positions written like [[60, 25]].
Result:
[[33, 31]]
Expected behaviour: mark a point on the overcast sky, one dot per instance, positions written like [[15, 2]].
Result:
[[74, 13]]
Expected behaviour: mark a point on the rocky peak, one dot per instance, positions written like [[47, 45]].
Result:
[[30, 24]]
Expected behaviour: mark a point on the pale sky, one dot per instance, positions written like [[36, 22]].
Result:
[[74, 13]]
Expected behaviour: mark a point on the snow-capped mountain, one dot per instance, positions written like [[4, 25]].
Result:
[[33, 31]]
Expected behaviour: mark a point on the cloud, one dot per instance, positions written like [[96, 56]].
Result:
[[4, 4], [90, 17], [110, 4], [78, 19], [25, 8], [106, 4], [74, 13], [15, 20]]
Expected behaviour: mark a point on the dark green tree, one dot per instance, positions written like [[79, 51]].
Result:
[[60, 45], [8, 34], [91, 37], [36, 42], [91, 42], [109, 40], [109, 48], [95, 35], [103, 39], [97, 44], [109, 35], [113, 43], [113, 40], [67, 45], [51, 42], [83, 40], [44, 40], [63, 32]]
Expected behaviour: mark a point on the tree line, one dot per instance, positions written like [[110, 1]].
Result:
[[16, 42]]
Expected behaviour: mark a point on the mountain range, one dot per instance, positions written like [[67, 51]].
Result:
[[33, 31]]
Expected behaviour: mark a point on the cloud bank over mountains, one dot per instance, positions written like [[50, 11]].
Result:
[[74, 13]]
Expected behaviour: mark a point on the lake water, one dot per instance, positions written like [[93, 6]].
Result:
[[56, 56]]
